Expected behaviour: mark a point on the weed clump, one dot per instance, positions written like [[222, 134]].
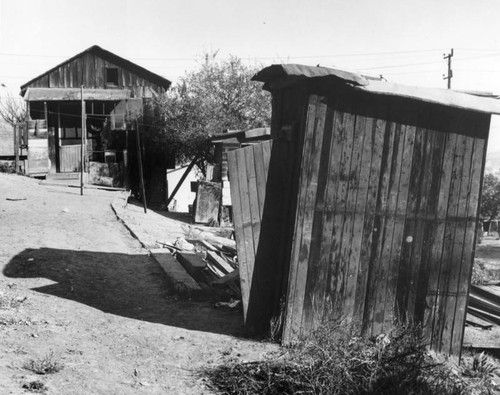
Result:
[[35, 386], [46, 365], [336, 360]]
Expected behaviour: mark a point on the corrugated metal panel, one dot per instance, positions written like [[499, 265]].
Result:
[[293, 72]]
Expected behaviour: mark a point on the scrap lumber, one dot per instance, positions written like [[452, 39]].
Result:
[[193, 263], [178, 276], [484, 305], [489, 292], [477, 322], [215, 270], [220, 262], [234, 276], [484, 315], [230, 281]]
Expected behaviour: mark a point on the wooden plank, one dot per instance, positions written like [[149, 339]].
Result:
[[233, 276], [452, 252], [208, 197], [433, 298], [471, 202], [99, 72], [180, 279], [316, 271], [415, 225], [380, 260], [193, 263], [266, 156], [364, 294], [358, 192], [320, 262], [401, 188], [430, 224], [238, 227], [304, 214], [458, 249], [253, 196], [219, 262], [343, 217], [246, 224], [260, 178]]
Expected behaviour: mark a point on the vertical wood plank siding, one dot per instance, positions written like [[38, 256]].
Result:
[[385, 223], [89, 70], [382, 210], [247, 173]]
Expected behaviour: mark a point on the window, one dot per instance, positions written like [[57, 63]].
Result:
[[112, 76]]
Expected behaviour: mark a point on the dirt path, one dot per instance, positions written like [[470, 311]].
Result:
[[75, 285]]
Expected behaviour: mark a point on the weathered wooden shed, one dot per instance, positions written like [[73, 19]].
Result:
[[363, 207], [99, 86]]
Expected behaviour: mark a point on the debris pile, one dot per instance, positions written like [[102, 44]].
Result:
[[483, 310], [209, 256]]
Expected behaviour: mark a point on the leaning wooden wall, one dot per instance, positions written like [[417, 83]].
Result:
[[386, 216], [248, 169], [265, 176]]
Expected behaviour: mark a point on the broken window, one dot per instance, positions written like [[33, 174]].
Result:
[[112, 76]]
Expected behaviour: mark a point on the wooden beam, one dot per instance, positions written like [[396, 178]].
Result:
[[141, 174], [186, 172], [82, 148], [16, 147]]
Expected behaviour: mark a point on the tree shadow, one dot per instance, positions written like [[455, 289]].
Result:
[[132, 286]]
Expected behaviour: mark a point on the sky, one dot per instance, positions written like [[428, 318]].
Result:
[[401, 40]]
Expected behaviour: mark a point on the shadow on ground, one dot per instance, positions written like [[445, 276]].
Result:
[[157, 208], [131, 286]]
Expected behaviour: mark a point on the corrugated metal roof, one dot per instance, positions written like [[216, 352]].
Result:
[[59, 94], [446, 97]]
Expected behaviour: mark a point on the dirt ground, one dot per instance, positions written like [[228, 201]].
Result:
[[78, 290]]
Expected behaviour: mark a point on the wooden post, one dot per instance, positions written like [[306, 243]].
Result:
[[186, 172], [16, 147], [141, 174], [82, 148]]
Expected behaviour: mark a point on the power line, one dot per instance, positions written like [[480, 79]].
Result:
[[249, 57]]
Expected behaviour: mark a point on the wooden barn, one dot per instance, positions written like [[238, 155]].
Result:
[[363, 206], [102, 88]]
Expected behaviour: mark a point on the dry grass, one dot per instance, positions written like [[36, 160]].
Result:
[[35, 386], [11, 301], [335, 360], [481, 274], [47, 365]]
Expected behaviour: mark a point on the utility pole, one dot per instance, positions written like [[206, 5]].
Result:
[[450, 71], [82, 144]]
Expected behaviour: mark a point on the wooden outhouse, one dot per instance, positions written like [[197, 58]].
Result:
[[103, 88], [363, 206]]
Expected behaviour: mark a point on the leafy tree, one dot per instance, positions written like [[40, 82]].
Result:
[[218, 96], [490, 198]]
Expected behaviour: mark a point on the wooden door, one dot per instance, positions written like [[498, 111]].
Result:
[[38, 148], [69, 158]]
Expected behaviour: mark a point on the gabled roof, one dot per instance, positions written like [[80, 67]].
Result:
[[111, 57], [285, 74]]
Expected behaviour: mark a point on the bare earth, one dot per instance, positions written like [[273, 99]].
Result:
[[77, 287]]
